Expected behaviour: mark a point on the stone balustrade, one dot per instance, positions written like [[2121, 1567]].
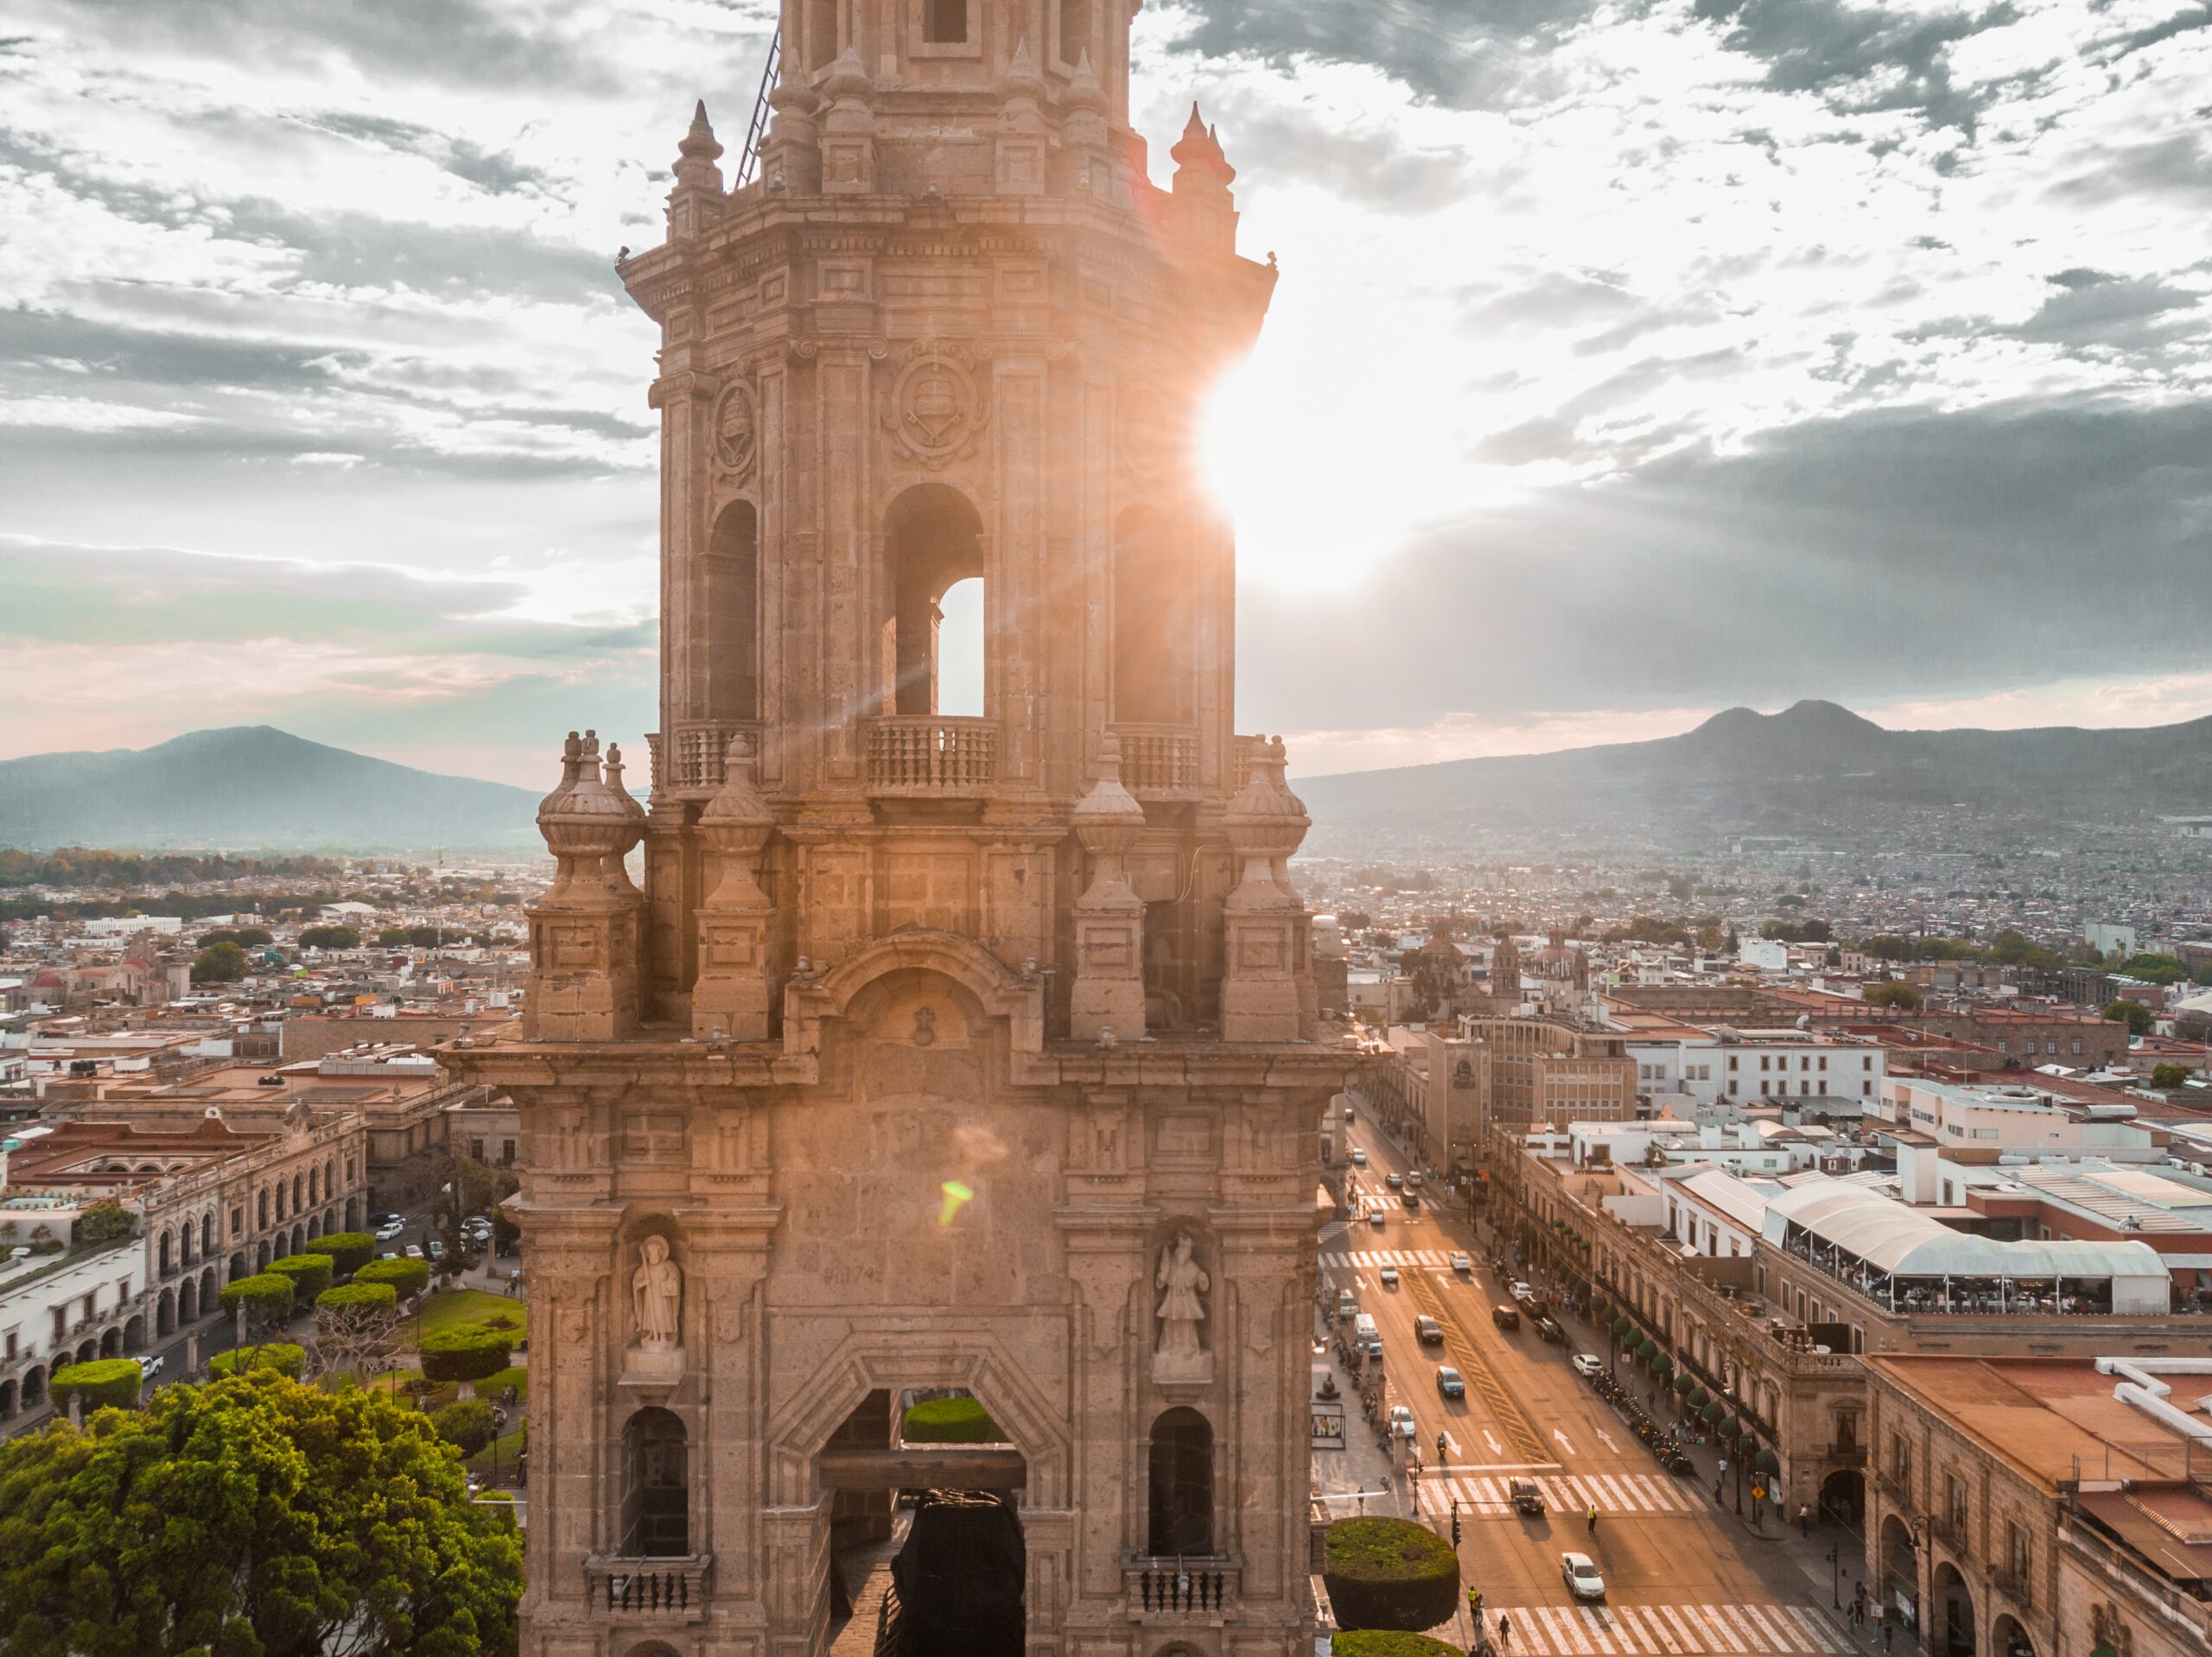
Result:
[[693, 754], [1158, 762], [669, 1589], [930, 754], [1170, 1590]]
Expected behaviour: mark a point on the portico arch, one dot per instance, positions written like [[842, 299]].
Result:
[[1951, 1631], [1899, 1583], [2008, 1639]]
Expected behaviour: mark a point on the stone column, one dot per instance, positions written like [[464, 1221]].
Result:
[[1265, 919], [571, 1379], [1264, 1373], [1106, 1263], [731, 997], [1108, 988], [729, 1247]]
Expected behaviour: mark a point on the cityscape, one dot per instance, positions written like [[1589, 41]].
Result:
[[842, 982]]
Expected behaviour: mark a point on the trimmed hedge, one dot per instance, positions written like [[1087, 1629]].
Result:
[[470, 1353], [349, 1251], [466, 1425], [358, 1294], [1386, 1642], [1389, 1573], [951, 1421], [280, 1355], [270, 1293], [104, 1383], [410, 1277], [310, 1273]]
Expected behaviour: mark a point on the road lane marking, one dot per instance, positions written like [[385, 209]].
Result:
[[1608, 1438], [1773, 1637], [1490, 1438], [1689, 1638], [1563, 1441]]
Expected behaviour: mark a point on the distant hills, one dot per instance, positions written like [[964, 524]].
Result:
[[1812, 766], [252, 787]]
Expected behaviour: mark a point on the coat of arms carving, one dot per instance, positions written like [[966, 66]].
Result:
[[936, 410], [737, 431]]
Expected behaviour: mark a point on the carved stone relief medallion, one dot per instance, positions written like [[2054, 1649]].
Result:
[[737, 440], [936, 410]]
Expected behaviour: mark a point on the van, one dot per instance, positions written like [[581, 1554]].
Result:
[[1347, 1305], [1363, 1329]]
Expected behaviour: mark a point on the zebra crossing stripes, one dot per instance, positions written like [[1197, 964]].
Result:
[[1373, 1257], [1610, 1492], [1673, 1631]]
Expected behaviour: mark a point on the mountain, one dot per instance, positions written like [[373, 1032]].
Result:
[[253, 788], [1814, 767]]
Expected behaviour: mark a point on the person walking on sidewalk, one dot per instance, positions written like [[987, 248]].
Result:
[[1804, 1519]]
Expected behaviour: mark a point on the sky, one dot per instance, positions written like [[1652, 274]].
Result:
[[1627, 362]]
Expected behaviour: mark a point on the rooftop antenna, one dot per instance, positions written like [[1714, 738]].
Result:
[[749, 159]]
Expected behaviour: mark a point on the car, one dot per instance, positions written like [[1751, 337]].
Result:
[[1347, 1305], [413, 1252], [389, 1254], [1449, 1383], [1548, 1328], [1413, 1180], [1588, 1365], [1401, 1421], [1389, 1277], [1373, 1347], [1582, 1579], [1358, 1157], [437, 1249], [1525, 1496], [1413, 1202], [1350, 1114], [1396, 1181], [1428, 1331], [385, 1217], [149, 1365], [1464, 1266], [1375, 1218], [1505, 1316], [1522, 1292]]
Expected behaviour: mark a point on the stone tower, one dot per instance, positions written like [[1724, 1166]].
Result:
[[940, 1055]]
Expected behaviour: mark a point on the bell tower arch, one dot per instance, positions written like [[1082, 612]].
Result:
[[953, 1056]]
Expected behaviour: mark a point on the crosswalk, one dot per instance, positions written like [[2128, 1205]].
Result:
[[1670, 1631], [1371, 1258], [1566, 1493]]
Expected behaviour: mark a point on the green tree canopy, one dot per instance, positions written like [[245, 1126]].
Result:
[[282, 1356], [251, 1517], [349, 1251], [358, 1294], [468, 1353], [2155, 968], [951, 1421], [1905, 997], [467, 1425], [104, 1383], [410, 1277], [2133, 1014], [310, 1273], [392, 937], [2169, 1075], [266, 1297], [106, 1220], [1386, 1642], [1389, 1573], [219, 963], [329, 938]]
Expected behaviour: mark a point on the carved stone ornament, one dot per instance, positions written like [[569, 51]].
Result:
[[737, 431], [936, 412], [657, 1288], [1178, 1355]]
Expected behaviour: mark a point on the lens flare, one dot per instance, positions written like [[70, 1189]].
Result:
[[954, 1195]]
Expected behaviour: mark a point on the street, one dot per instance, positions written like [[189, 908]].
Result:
[[1681, 1574]]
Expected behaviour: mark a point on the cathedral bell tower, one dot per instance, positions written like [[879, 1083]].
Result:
[[966, 1055]]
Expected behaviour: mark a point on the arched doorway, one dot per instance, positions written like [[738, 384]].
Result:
[[934, 538], [1180, 1485], [111, 1343], [1900, 1566], [2008, 1639], [88, 1351], [188, 1301], [656, 1487], [1951, 1634], [209, 1288], [1843, 1497], [7, 1400], [168, 1253], [33, 1388], [165, 1313], [134, 1332], [238, 1269]]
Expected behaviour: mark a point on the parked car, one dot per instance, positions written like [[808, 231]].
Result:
[[385, 1233], [437, 1249], [1463, 1266], [1373, 1348], [1396, 1181], [1505, 1316], [1449, 1383], [1588, 1365], [386, 1217], [1358, 1157], [1428, 1331], [1581, 1576], [414, 1252], [149, 1365], [1548, 1328], [1525, 1496], [1522, 1292], [1347, 1305]]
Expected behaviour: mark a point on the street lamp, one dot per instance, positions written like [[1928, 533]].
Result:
[[1835, 1574]]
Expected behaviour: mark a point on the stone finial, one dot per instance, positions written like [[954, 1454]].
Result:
[[1266, 821], [731, 996], [1198, 157], [696, 155], [1108, 991], [1108, 818], [1084, 90], [590, 822], [1022, 76]]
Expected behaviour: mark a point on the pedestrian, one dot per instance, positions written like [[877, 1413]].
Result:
[[1504, 1632], [1594, 1518], [1889, 1627], [1804, 1519]]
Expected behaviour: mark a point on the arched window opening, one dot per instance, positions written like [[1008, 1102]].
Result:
[[1074, 31], [935, 541], [732, 615], [820, 33], [960, 649], [1152, 609], [656, 1495], [1181, 1485]]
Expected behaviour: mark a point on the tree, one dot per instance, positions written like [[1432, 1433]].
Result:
[[219, 964], [356, 1329], [104, 1383], [465, 1425], [330, 937], [392, 937], [265, 1299], [310, 1274], [2169, 1075], [408, 1278], [105, 1221], [2133, 1014], [1903, 997], [282, 1357], [2154, 969], [467, 1354], [349, 1251], [1389, 1573], [252, 1515]]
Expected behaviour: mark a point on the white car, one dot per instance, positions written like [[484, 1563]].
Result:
[[1462, 1265], [1587, 1365], [1401, 1421], [1389, 1277], [149, 1365], [1581, 1576], [413, 1252], [1522, 1292], [1358, 1157], [387, 1232]]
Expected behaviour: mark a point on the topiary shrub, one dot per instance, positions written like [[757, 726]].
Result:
[[1389, 1573], [347, 1296], [104, 1383], [267, 1297], [469, 1353], [951, 1421], [1386, 1642], [310, 1273], [280, 1355], [349, 1251], [410, 1277], [466, 1425]]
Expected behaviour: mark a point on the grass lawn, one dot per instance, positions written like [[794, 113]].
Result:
[[517, 1377], [457, 1307], [506, 1448]]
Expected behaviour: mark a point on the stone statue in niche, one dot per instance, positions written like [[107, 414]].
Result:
[[1182, 1282], [657, 1288]]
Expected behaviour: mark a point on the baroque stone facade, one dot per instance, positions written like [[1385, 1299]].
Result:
[[938, 1054]]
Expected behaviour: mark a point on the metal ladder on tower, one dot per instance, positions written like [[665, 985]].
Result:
[[749, 161]]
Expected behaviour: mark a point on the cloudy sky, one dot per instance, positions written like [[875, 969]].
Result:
[[1629, 361]]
